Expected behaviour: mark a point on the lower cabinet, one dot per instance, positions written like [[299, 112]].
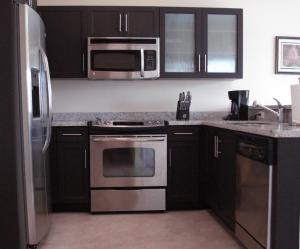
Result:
[[183, 190], [220, 172], [69, 169]]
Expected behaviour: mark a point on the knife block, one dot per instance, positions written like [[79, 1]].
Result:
[[182, 114]]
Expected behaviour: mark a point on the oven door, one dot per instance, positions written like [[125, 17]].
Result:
[[128, 161]]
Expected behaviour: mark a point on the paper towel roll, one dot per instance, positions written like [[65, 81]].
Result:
[[295, 90]]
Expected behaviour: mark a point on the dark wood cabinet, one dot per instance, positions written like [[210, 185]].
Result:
[[195, 42], [226, 175], [69, 169], [183, 191], [105, 22], [220, 168], [123, 21], [210, 166], [201, 43], [142, 21], [65, 41]]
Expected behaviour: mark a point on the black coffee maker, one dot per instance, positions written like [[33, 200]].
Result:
[[239, 105]]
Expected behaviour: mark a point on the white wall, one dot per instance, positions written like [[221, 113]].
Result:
[[263, 20]]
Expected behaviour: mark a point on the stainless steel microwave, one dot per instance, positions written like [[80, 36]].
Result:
[[123, 58]]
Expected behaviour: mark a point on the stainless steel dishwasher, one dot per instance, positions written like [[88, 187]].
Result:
[[254, 191]]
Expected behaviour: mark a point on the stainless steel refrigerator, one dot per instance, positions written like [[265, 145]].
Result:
[[35, 95]]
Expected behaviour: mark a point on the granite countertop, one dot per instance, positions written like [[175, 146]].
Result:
[[62, 123], [269, 129], [214, 119]]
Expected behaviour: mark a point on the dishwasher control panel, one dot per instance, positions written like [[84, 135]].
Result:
[[256, 148]]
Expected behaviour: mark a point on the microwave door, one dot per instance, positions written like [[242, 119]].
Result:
[[116, 61], [123, 58]]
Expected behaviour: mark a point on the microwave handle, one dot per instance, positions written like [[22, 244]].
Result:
[[142, 63]]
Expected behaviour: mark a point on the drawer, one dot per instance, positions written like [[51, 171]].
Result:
[[179, 133], [124, 200], [72, 134]]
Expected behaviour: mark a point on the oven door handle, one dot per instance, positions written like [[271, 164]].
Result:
[[121, 139]]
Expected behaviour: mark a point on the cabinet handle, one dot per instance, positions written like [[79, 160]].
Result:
[[215, 146], [126, 22], [85, 158], [83, 62], [205, 63], [142, 63], [71, 134], [199, 63], [120, 22], [170, 158], [183, 133]]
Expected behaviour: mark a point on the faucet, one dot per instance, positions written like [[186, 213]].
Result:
[[279, 114]]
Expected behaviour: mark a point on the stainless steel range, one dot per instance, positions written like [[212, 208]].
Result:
[[128, 166]]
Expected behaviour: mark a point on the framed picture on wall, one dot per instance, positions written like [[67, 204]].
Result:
[[287, 55]]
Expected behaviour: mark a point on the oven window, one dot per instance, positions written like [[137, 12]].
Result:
[[116, 60], [129, 162]]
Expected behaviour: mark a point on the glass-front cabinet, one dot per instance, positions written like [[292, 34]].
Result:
[[201, 43], [180, 45]]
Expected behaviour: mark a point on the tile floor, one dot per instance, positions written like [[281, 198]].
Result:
[[171, 230]]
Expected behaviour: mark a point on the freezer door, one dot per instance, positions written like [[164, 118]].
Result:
[[36, 119]]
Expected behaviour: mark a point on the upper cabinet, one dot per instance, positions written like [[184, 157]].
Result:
[[179, 42], [194, 42], [119, 22], [105, 22], [65, 41], [201, 43]]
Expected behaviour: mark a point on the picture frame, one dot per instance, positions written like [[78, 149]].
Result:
[[287, 55]]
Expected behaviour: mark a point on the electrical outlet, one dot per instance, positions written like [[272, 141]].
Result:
[[261, 115]]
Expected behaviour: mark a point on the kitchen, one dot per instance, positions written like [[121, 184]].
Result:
[[185, 162]]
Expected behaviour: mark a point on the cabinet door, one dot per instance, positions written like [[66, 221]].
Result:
[[211, 169], [226, 176], [183, 175], [106, 22], [223, 43], [142, 22], [73, 183], [180, 43], [65, 41]]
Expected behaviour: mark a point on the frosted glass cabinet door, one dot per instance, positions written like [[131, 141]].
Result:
[[221, 43], [180, 42]]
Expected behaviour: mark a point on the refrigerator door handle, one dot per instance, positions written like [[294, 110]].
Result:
[[49, 97]]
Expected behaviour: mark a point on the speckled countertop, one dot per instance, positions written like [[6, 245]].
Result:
[[269, 129], [62, 123]]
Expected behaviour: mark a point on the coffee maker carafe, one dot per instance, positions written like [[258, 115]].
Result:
[[239, 105]]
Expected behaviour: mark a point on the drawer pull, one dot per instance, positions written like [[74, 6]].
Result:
[[170, 158], [85, 159], [71, 134], [183, 133]]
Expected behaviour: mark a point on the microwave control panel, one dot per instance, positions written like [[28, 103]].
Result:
[[150, 60]]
